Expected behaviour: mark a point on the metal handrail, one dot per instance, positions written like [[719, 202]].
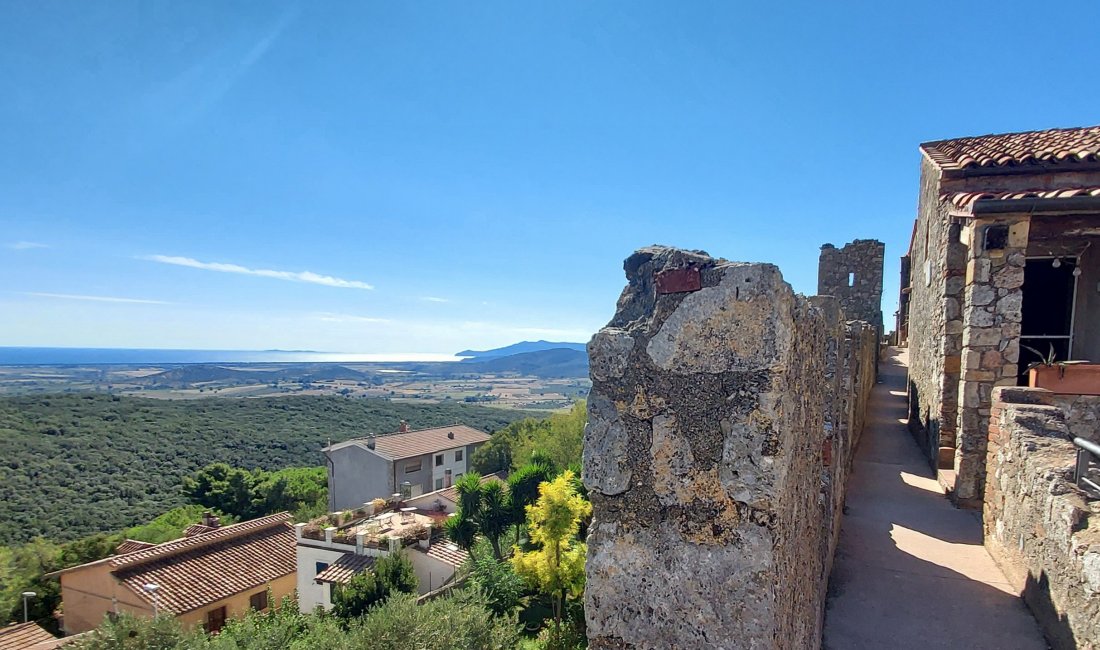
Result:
[[1086, 448]]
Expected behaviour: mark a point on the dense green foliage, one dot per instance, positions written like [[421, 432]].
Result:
[[498, 582], [79, 464], [392, 574], [459, 622], [249, 494], [558, 438]]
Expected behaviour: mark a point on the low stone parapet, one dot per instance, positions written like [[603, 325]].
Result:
[[1037, 523]]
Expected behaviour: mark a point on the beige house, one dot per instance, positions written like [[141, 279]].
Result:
[[215, 574]]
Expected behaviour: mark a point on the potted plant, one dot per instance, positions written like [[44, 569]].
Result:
[[423, 535], [1062, 377]]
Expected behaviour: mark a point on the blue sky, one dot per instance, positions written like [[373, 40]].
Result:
[[391, 177]]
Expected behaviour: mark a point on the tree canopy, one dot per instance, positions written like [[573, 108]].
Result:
[[391, 574], [556, 566], [557, 439], [249, 494]]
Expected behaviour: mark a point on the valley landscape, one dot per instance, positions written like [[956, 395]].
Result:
[[538, 375]]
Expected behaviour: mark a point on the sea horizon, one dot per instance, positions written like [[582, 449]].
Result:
[[68, 356]]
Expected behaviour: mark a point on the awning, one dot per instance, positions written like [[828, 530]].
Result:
[[344, 568]]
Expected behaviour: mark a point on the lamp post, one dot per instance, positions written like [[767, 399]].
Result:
[[27, 595], [152, 588]]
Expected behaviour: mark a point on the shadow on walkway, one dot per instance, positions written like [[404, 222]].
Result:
[[910, 569]]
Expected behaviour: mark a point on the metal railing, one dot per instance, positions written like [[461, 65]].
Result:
[[1087, 453]]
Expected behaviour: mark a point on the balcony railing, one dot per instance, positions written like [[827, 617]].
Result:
[[1088, 453]]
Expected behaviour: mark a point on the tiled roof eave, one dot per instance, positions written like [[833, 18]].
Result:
[[1028, 152], [1010, 201]]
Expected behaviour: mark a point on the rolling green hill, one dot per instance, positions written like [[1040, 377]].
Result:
[[71, 465]]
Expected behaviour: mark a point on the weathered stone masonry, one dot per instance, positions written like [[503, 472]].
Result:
[[722, 418], [1039, 527], [853, 275]]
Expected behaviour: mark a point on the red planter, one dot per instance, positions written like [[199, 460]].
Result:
[[1070, 379]]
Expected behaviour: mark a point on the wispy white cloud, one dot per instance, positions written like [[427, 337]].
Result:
[[289, 276], [434, 299], [330, 317], [25, 245], [70, 296], [203, 85]]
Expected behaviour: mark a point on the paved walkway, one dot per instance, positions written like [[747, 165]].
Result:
[[911, 571]]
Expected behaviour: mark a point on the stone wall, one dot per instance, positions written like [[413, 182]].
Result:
[[1037, 523], [853, 274], [1082, 415], [723, 414], [937, 279]]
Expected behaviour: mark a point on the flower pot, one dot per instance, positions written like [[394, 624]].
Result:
[[1069, 379]]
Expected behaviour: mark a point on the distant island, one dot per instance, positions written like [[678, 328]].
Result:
[[519, 348]]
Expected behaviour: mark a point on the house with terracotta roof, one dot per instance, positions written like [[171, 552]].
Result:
[[333, 548], [407, 462], [202, 579], [1003, 270]]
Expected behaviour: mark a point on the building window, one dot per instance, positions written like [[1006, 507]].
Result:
[[447, 478], [215, 620], [439, 484], [438, 460], [321, 566], [258, 601], [412, 468], [458, 456], [996, 238]]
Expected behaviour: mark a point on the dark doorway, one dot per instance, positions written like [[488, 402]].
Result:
[[1047, 326]]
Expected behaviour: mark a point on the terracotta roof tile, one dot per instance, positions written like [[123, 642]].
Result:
[[131, 545], [396, 446], [198, 571], [197, 529], [190, 543], [23, 635], [446, 552], [344, 568], [965, 200], [1032, 148]]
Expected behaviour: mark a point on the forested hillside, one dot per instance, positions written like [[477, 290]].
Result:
[[71, 465]]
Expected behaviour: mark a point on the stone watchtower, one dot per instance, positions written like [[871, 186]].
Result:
[[853, 275]]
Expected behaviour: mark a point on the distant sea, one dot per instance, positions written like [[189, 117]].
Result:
[[13, 356]]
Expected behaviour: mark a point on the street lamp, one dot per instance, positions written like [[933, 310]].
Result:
[[152, 587], [27, 595]]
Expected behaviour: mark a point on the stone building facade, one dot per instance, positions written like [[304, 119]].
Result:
[[721, 424], [1003, 260]]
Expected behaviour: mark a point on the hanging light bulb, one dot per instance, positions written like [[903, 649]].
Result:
[[1057, 262], [1077, 272]]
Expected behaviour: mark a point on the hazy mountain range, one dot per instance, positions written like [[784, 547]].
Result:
[[522, 347]]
